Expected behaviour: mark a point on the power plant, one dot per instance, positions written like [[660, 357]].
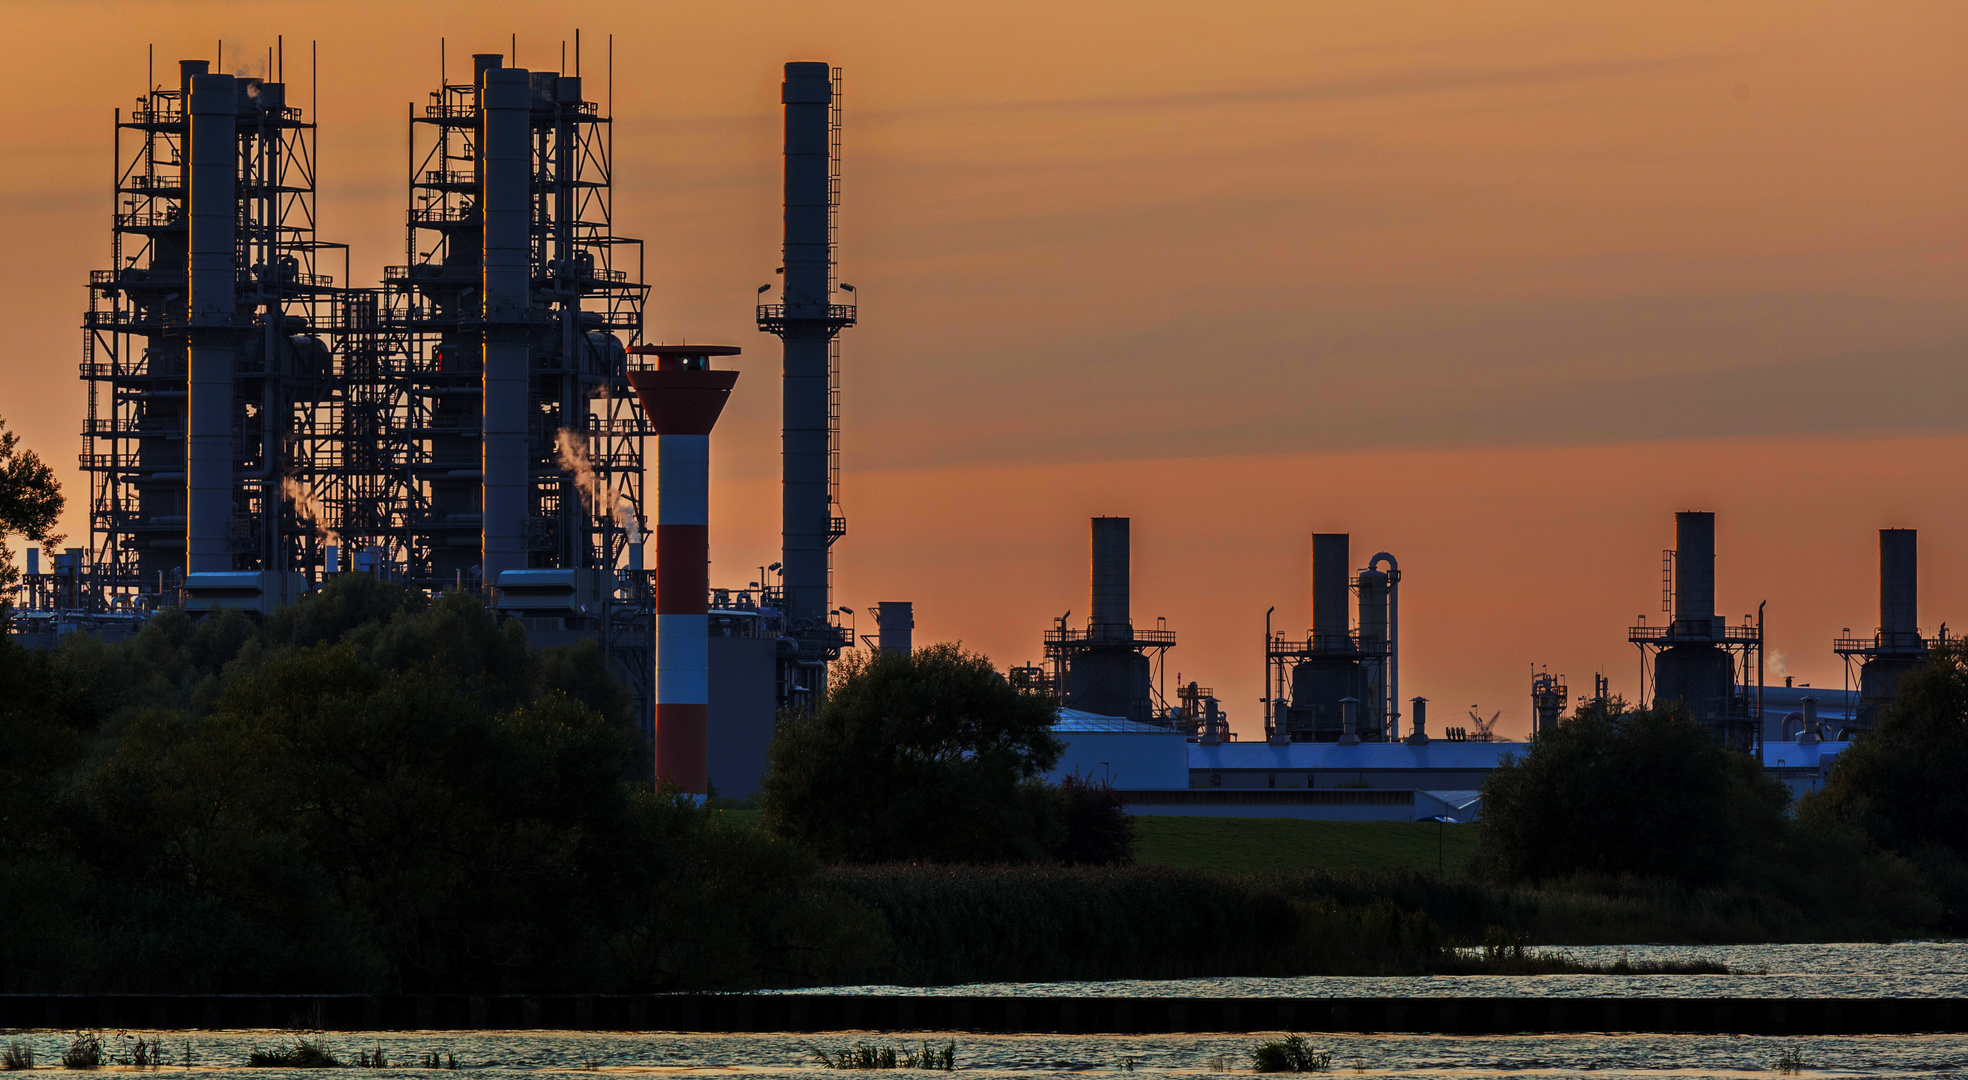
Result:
[[478, 421]]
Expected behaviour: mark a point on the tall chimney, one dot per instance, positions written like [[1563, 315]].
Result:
[[1419, 736], [1331, 574], [1109, 578], [895, 620], [213, 173], [683, 398], [1694, 572], [805, 512], [1899, 588], [505, 202]]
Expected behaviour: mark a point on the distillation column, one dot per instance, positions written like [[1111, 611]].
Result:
[[214, 310], [505, 157], [682, 399]]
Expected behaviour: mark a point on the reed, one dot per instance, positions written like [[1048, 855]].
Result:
[[871, 1056], [17, 1056], [1290, 1054], [85, 1051], [302, 1055]]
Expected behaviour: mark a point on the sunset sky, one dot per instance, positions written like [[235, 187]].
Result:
[[1496, 288]]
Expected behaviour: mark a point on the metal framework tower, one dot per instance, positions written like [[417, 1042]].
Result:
[[1898, 646], [1111, 668], [514, 439], [217, 431], [808, 322], [1310, 682]]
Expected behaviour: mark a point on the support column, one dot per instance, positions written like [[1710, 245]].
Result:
[[505, 154]]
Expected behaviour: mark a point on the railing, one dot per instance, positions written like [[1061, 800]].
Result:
[[149, 219], [1671, 633], [1117, 634], [432, 215], [449, 176], [772, 318]]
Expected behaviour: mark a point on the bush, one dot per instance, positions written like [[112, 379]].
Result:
[[1099, 829], [1613, 791], [1291, 1054], [930, 754]]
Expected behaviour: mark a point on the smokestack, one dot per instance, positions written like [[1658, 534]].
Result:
[[1419, 736], [1694, 572], [1899, 588], [806, 512], [896, 622], [1109, 577], [1331, 574], [682, 399], [505, 157], [214, 111]]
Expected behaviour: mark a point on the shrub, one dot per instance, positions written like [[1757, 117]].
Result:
[[1290, 1054]]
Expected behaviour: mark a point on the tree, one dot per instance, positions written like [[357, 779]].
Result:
[[1900, 782], [930, 754], [1613, 791], [30, 503]]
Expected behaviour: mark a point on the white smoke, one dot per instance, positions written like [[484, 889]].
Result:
[[571, 452], [309, 509], [1777, 662]]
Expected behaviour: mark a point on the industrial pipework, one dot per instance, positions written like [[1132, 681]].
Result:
[[683, 397], [1380, 590]]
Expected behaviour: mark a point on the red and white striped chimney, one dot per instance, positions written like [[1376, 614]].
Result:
[[682, 398]]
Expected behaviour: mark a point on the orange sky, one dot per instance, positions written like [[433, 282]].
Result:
[[1496, 287]]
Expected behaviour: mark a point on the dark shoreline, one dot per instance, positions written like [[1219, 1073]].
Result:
[[1037, 1015]]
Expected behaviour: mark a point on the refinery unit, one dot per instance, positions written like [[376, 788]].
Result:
[[479, 419]]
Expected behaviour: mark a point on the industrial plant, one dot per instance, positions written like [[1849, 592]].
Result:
[[479, 420]]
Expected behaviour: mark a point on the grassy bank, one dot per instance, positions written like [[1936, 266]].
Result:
[[1231, 845]]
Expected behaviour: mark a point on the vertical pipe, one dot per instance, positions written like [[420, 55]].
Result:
[[214, 112], [806, 94], [1694, 572], [1899, 588], [1331, 567], [896, 621], [1418, 723], [1108, 578], [1393, 640], [505, 154]]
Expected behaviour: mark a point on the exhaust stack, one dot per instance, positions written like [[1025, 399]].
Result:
[[505, 154], [214, 309], [1899, 588], [1108, 579], [1331, 576], [1694, 572]]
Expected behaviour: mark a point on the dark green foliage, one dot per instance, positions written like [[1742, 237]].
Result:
[[1899, 784], [30, 504], [302, 1055], [1099, 830], [929, 754], [1613, 791], [1043, 924], [1290, 1054], [373, 794]]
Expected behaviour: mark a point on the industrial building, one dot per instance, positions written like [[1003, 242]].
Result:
[[479, 420]]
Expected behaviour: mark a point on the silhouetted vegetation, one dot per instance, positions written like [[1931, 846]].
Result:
[[1620, 801], [372, 792], [930, 754], [30, 504], [1899, 785]]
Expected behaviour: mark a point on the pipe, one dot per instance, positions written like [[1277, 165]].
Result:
[[505, 156], [1108, 579], [1419, 735], [1694, 573], [1899, 588], [1809, 736], [212, 193], [1393, 640], [1330, 571], [682, 399], [806, 514], [895, 621]]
